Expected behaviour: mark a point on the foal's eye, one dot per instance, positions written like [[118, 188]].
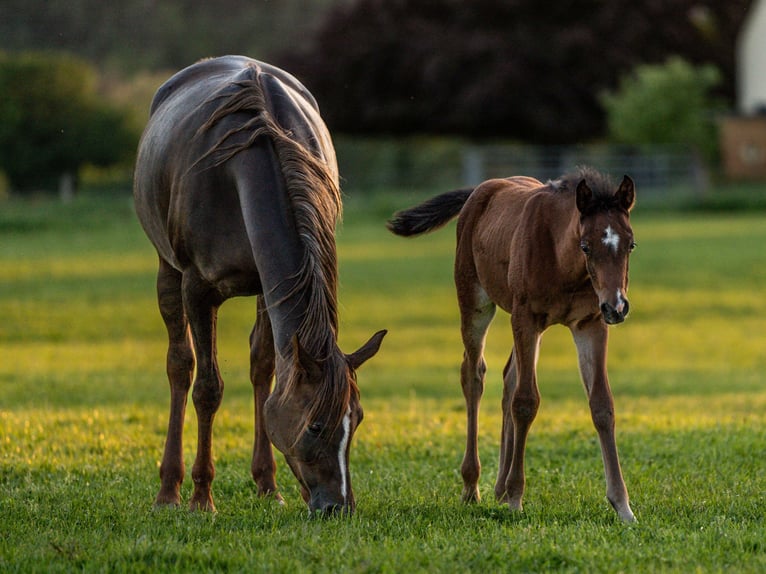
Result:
[[315, 429], [632, 245], [585, 248]]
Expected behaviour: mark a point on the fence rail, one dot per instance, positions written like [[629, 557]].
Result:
[[368, 164], [660, 168]]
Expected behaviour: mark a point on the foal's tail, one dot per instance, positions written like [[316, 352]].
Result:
[[429, 215]]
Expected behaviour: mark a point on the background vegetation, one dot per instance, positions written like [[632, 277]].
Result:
[[84, 404]]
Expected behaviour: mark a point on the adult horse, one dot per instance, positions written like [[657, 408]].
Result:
[[547, 254], [236, 185]]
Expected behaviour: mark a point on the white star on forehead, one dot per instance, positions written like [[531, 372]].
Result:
[[611, 239]]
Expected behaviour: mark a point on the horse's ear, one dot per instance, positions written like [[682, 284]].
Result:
[[366, 351], [584, 196], [626, 194], [305, 361]]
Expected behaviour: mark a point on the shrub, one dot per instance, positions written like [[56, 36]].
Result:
[[669, 103], [52, 121]]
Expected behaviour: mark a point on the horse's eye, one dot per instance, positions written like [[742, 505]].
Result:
[[585, 248], [315, 429], [632, 245]]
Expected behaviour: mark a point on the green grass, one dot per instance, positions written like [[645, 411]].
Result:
[[83, 401]]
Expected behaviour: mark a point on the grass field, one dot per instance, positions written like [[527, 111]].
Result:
[[83, 402]]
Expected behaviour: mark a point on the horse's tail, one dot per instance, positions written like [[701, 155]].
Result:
[[429, 215]]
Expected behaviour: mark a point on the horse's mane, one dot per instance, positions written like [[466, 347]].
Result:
[[600, 184], [316, 202]]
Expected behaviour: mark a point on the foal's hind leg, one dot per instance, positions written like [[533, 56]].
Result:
[[506, 438], [591, 341], [476, 313], [262, 358], [201, 303], [180, 365]]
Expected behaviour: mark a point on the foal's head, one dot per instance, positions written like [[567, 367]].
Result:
[[313, 418], [606, 240]]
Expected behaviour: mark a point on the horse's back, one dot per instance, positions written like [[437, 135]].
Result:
[[178, 168]]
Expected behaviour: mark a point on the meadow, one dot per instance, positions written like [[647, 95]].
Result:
[[84, 400]]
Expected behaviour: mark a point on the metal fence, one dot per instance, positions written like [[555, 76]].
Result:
[[369, 164], [658, 169]]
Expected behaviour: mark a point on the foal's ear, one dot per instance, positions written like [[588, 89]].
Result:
[[584, 196], [305, 361], [626, 194], [366, 351]]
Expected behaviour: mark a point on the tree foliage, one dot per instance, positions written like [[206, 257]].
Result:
[[665, 103], [52, 121], [157, 34], [512, 68]]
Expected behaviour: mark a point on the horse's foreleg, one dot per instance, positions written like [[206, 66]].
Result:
[[506, 438], [476, 314], [591, 341], [262, 359], [180, 365], [524, 404], [201, 304]]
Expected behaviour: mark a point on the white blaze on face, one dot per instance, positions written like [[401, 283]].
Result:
[[346, 424], [611, 239]]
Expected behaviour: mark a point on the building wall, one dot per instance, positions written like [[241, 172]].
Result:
[[751, 66]]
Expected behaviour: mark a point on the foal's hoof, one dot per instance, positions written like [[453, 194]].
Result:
[[165, 500], [471, 494], [204, 504], [624, 512]]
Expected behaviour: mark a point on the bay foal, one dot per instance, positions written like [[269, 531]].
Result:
[[547, 254]]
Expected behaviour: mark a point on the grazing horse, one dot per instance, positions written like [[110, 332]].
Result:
[[546, 254], [236, 185]]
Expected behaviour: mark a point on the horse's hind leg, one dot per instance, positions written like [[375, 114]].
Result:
[[201, 304], [180, 364], [262, 358], [506, 438], [476, 313], [591, 340]]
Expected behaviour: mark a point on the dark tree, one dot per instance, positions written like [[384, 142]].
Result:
[[512, 68]]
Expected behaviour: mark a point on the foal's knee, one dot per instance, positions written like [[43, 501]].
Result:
[[603, 417]]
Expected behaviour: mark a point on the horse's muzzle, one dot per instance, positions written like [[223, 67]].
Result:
[[614, 316], [332, 510]]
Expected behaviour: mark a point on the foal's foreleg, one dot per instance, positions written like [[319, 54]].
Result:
[[475, 319], [180, 364], [201, 304], [524, 402], [262, 360], [591, 341]]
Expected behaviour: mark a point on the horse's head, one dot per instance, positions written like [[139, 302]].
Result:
[[606, 240], [312, 421]]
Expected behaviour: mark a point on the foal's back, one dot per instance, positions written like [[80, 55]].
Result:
[[516, 237]]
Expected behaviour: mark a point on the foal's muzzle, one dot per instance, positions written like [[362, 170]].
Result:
[[614, 316]]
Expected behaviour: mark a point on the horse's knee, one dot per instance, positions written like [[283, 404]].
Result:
[[180, 363], [524, 407], [207, 394]]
